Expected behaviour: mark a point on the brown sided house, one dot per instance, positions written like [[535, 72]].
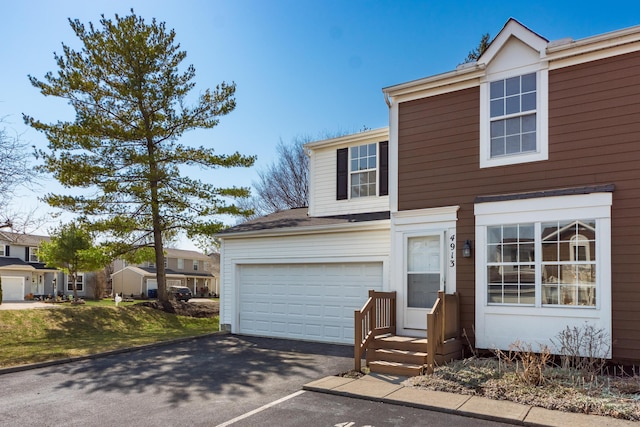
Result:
[[530, 155], [513, 181]]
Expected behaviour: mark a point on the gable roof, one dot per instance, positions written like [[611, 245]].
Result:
[[296, 219], [22, 238], [185, 254], [513, 28], [559, 53]]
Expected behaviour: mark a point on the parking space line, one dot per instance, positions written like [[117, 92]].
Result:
[[260, 409]]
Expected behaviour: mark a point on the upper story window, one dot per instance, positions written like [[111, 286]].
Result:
[[363, 161], [180, 264], [514, 99], [151, 264], [363, 171], [513, 115], [4, 250], [33, 254], [195, 265]]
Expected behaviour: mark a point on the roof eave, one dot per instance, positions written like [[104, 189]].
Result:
[[315, 229]]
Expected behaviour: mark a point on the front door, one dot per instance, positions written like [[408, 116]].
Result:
[[424, 278]]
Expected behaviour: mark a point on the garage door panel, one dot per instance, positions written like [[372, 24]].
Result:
[[13, 288], [305, 301]]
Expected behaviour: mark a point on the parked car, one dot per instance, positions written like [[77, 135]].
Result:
[[180, 293]]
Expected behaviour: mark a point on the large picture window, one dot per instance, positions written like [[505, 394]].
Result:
[[569, 263], [555, 258], [511, 264]]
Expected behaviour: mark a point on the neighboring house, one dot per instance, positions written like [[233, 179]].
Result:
[[22, 272], [301, 273], [183, 268], [214, 259], [526, 160]]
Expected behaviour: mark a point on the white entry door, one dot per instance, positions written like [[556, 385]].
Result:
[[424, 278]]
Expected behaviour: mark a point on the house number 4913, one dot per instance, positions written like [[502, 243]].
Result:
[[452, 250]]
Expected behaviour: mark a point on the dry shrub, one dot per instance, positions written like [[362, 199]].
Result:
[[583, 348], [530, 366]]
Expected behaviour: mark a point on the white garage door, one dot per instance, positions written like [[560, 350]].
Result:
[[12, 288], [305, 301]]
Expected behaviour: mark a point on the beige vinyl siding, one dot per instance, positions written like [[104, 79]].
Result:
[[346, 246], [323, 194]]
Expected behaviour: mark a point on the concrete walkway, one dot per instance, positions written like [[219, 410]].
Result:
[[388, 389], [25, 305]]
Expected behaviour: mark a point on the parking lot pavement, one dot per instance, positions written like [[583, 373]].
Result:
[[205, 381]]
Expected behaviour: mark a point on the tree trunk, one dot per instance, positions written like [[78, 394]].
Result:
[[74, 279]]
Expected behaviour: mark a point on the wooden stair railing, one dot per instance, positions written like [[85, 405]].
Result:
[[442, 324], [377, 317]]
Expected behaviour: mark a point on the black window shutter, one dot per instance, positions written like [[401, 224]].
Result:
[[6, 250], [342, 190], [383, 148], [26, 254]]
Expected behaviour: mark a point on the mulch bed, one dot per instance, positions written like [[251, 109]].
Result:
[[181, 308]]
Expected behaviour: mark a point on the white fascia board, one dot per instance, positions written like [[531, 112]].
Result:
[[374, 135], [600, 46], [514, 29], [598, 42], [439, 83], [318, 229]]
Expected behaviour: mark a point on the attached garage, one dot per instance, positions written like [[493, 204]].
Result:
[[13, 288], [289, 275], [311, 301]]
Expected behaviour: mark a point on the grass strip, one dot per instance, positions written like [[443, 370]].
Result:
[[39, 335]]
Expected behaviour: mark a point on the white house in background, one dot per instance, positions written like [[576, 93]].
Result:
[[301, 273], [22, 272], [183, 268]]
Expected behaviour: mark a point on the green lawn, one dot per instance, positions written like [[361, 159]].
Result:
[[37, 335]]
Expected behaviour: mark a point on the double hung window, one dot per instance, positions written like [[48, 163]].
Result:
[[363, 160], [513, 115]]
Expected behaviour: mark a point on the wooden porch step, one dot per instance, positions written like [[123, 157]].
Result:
[[397, 342], [394, 368], [393, 355]]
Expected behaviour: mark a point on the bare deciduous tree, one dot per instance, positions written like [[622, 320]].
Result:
[[285, 183], [14, 172]]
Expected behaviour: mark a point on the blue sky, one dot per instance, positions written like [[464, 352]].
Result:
[[301, 67]]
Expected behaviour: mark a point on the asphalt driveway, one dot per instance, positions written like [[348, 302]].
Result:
[[204, 381]]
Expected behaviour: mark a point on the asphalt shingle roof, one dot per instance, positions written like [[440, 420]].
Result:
[[295, 218]]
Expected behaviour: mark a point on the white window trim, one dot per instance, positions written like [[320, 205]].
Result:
[[542, 117], [79, 282], [595, 206], [33, 252], [195, 265], [377, 171]]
